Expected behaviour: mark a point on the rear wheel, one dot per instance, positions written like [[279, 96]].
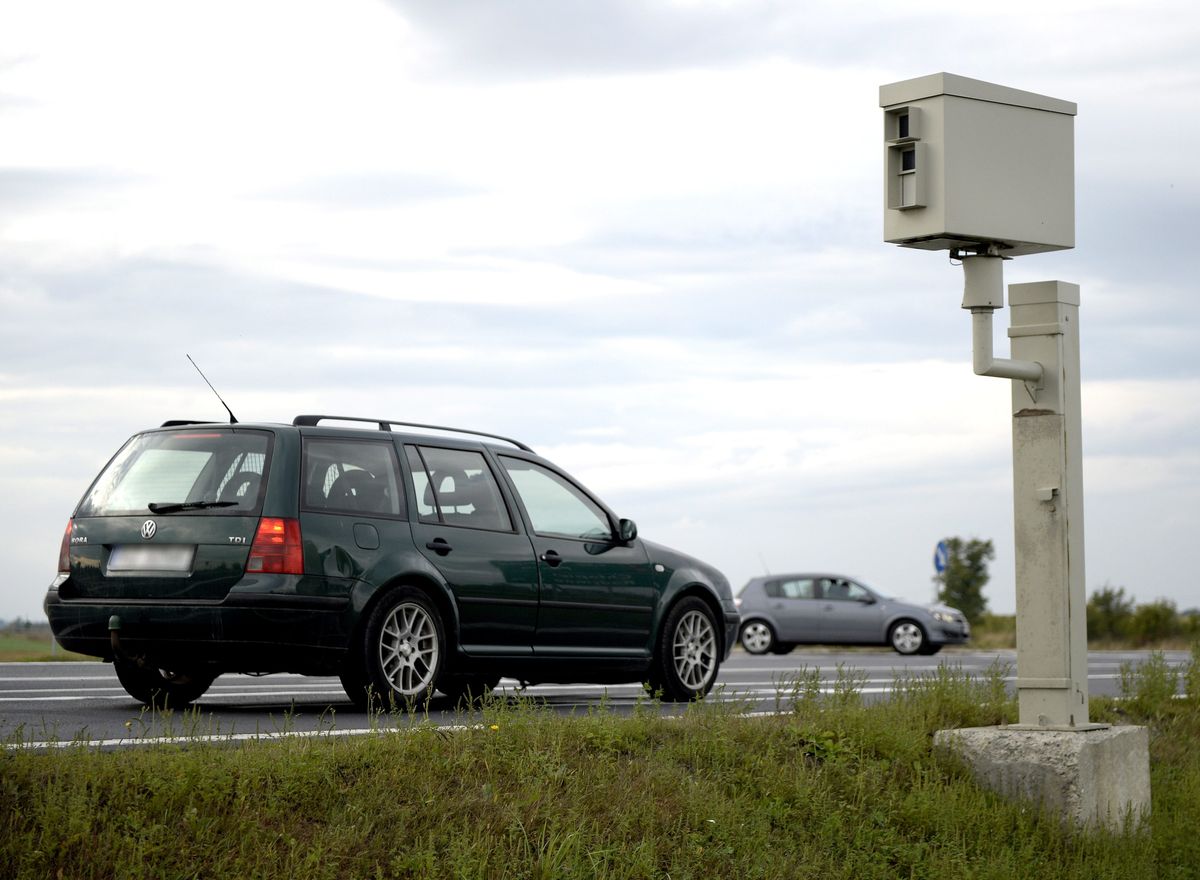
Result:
[[401, 655], [161, 688], [757, 637], [688, 656]]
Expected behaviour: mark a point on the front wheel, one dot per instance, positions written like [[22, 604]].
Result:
[[907, 637], [401, 655], [688, 656], [161, 688], [757, 637]]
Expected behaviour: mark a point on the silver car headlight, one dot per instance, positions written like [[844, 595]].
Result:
[[943, 617]]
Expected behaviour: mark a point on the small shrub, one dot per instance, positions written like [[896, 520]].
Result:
[[994, 631], [1109, 614], [1155, 622], [1191, 675], [1150, 687]]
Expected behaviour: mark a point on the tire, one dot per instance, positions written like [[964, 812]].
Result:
[[355, 688], [401, 656], [907, 637], [756, 636], [688, 655], [929, 649], [161, 688]]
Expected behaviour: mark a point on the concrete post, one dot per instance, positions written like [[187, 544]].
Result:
[[1052, 683], [1089, 774]]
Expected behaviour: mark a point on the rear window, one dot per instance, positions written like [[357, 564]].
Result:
[[216, 472]]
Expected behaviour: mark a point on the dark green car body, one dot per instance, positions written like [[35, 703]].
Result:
[[520, 571]]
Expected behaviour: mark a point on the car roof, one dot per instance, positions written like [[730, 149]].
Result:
[[312, 424], [796, 575]]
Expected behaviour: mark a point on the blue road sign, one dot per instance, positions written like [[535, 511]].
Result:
[[941, 556]]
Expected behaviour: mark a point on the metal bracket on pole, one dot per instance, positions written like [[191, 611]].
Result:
[[983, 293]]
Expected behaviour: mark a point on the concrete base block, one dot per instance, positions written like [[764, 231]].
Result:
[[1096, 778]]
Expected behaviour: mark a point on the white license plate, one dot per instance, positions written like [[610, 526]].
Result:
[[164, 557]]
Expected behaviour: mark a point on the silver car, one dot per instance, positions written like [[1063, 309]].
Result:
[[785, 610]]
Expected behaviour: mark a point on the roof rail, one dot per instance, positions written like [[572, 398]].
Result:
[[175, 423], [386, 425]]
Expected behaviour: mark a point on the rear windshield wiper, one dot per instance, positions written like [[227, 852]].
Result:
[[175, 506]]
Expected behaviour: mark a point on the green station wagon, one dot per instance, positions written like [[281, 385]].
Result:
[[403, 558]]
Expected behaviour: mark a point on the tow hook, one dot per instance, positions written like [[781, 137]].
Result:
[[114, 639]]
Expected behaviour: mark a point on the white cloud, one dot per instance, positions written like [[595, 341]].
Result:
[[643, 237]]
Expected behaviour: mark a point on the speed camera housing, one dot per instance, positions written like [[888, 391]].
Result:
[[970, 165]]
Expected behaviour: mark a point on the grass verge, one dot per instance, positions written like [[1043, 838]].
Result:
[[33, 646], [833, 788]]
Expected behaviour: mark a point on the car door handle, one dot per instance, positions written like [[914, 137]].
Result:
[[828, 607], [551, 558], [439, 546]]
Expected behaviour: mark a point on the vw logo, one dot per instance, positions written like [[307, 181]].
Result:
[[149, 527]]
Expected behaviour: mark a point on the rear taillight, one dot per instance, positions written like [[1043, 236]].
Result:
[[64, 551], [277, 548]]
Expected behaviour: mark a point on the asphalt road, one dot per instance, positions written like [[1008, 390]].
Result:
[[56, 703]]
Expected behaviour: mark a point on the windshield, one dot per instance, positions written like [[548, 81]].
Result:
[[209, 471]]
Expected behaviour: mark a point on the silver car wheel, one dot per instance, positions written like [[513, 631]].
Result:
[[408, 649], [695, 650], [907, 637], [757, 637]]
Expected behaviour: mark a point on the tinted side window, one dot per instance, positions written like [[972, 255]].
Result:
[[555, 505], [456, 487], [352, 476]]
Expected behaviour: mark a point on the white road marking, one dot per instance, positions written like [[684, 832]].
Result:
[[239, 691]]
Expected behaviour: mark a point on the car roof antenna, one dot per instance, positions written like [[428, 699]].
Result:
[[232, 418]]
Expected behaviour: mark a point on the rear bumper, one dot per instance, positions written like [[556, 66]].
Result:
[[248, 633]]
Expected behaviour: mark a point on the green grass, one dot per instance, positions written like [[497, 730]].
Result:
[[993, 632], [831, 789], [35, 645]]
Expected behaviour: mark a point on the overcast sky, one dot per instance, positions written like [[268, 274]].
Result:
[[643, 236]]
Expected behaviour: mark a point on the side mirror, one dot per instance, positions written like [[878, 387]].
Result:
[[626, 531], [867, 600]]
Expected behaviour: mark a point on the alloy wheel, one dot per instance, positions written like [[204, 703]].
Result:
[[408, 649], [695, 650]]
